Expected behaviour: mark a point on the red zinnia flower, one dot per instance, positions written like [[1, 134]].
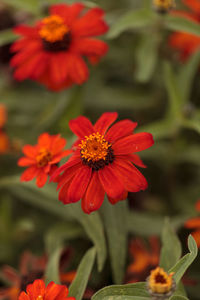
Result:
[[42, 158], [38, 291], [194, 223], [51, 51], [102, 162], [187, 43]]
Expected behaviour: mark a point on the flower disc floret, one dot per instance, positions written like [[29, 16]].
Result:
[[43, 158], [53, 29]]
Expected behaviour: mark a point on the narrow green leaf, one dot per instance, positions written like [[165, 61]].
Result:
[[183, 264], [122, 292], [174, 95], [178, 297], [116, 229], [47, 199], [146, 63], [171, 247], [187, 74], [132, 20], [52, 269], [179, 23], [79, 284], [6, 37]]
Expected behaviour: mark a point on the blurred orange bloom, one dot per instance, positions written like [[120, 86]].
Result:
[[4, 140], [38, 291], [143, 258], [194, 223], [51, 52], [187, 43], [42, 159]]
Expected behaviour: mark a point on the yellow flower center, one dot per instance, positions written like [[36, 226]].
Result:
[[43, 158], [159, 281], [94, 147], [53, 29]]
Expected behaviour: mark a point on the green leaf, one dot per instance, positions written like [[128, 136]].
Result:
[[6, 37], [183, 264], [116, 230], [47, 199], [179, 23], [52, 269], [132, 20], [171, 247], [133, 291], [174, 95], [178, 297], [187, 74], [146, 63], [79, 284]]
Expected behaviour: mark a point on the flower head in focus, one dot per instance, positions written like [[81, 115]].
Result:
[[103, 162], [143, 258], [185, 43], [42, 159], [52, 51], [194, 224], [38, 291]]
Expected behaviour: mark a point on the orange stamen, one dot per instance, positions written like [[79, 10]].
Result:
[[94, 147], [43, 158], [53, 29], [39, 297], [159, 281]]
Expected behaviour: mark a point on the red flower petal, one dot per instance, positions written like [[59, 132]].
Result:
[[28, 50], [29, 174], [79, 184], [105, 121], [23, 296], [30, 32], [120, 130], [134, 158], [90, 47], [41, 179], [81, 126], [90, 24], [193, 223], [193, 5], [196, 236], [44, 140], [68, 12], [58, 144], [53, 290], [37, 288], [78, 70], [59, 67], [30, 151], [25, 161], [114, 201], [94, 195], [133, 143], [131, 177], [111, 182], [68, 174]]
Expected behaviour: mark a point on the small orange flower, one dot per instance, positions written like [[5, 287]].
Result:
[[38, 291], [3, 115], [185, 43], [161, 283], [42, 159], [194, 223], [143, 258]]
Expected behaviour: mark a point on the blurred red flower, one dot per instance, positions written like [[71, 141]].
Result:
[[143, 258], [38, 291], [51, 51], [102, 162], [187, 43], [4, 140], [42, 158], [194, 223]]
